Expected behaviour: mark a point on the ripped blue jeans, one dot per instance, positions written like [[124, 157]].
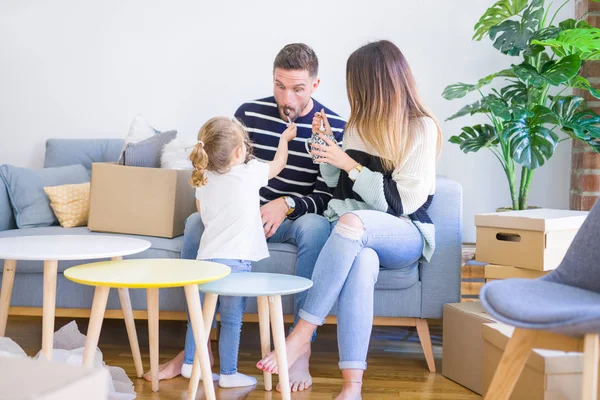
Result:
[[346, 271]]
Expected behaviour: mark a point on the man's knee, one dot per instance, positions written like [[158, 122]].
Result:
[[312, 227], [193, 225]]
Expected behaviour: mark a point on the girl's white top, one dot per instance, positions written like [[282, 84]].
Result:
[[230, 212]]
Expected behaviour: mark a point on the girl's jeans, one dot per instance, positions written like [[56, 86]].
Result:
[[347, 270], [231, 310]]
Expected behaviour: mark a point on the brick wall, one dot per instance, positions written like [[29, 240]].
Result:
[[585, 164]]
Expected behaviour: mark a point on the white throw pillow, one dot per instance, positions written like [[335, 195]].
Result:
[[139, 130], [176, 153]]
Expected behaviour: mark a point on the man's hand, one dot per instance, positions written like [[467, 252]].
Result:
[[272, 215]]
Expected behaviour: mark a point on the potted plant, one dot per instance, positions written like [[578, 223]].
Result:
[[528, 109]]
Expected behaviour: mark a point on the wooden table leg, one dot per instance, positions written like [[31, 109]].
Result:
[[49, 307], [590, 367], [511, 364], [277, 326], [95, 324], [131, 332], [208, 313], [152, 300], [8, 279], [130, 325], [192, 296], [265, 336]]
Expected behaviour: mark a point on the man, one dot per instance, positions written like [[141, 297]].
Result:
[[293, 201]]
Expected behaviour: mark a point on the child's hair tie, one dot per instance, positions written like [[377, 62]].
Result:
[[201, 143]]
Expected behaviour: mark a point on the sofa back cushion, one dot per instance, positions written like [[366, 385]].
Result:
[[62, 152], [7, 219], [25, 186]]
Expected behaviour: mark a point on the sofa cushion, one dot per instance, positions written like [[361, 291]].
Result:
[[62, 152], [7, 219], [30, 204], [70, 203], [147, 152]]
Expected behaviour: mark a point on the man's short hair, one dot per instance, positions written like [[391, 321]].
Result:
[[297, 56]]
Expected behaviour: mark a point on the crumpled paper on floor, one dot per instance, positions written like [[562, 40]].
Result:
[[69, 345]]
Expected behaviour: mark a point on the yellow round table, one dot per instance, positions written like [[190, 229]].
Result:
[[150, 274]]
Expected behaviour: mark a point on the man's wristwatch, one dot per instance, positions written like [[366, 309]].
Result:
[[353, 174], [290, 203]]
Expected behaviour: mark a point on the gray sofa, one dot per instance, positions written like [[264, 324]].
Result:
[[399, 299]]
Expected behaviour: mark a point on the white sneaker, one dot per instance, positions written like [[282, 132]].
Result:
[[236, 380], [186, 372]]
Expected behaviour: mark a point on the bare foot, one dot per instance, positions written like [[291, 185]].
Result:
[[172, 368], [295, 348], [300, 378], [350, 391]]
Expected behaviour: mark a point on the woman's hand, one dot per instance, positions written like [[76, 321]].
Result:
[[316, 123], [333, 154]]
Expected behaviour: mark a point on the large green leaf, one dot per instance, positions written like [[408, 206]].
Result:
[[543, 115], [515, 93], [557, 72], [585, 42], [515, 35], [500, 11], [565, 107], [470, 109], [460, 90], [572, 24], [474, 138], [532, 147], [531, 143], [499, 107], [527, 73], [580, 82], [585, 125]]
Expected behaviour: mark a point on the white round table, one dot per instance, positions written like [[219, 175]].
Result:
[[52, 249], [268, 289]]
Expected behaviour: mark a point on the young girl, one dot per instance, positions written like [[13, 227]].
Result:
[[228, 179]]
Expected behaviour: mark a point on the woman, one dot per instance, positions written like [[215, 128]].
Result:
[[383, 180]]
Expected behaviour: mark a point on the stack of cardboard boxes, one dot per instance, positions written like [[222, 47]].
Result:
[[524, 244], [516, 244]]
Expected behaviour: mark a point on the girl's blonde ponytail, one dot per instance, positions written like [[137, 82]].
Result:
[[199, 160]]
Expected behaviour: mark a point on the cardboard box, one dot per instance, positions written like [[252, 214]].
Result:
[[462, 350], [534, 239], [140, 201], [493, 272], [548, 374], [25, 379]]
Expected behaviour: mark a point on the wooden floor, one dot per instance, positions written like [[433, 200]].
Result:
[[397, 369]]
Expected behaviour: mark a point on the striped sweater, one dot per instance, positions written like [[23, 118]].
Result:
[[406, 191], [300, 179]]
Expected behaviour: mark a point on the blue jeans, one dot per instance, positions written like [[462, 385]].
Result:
[[309, 233], [346, 271], [231, 309]]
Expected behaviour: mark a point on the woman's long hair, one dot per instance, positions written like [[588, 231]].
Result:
[[384, 101]]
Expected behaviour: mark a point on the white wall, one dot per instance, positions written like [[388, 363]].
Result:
[[84, 69]]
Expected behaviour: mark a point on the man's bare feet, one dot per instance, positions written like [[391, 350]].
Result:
[[295, 347], [300, 378], [350, 391], [172, 368]]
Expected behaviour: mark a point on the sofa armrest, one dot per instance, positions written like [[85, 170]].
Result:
[[440, 279], [7, 219]]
